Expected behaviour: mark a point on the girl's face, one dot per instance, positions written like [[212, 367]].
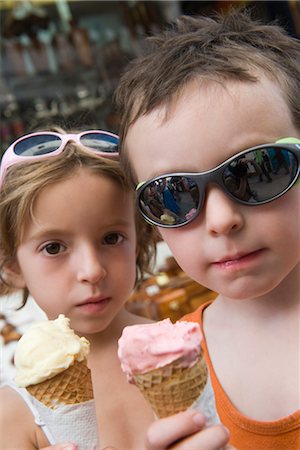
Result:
[[239, 251], [78, 252]]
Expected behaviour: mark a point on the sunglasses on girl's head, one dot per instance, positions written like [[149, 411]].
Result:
[[252, 177], [45, 144]]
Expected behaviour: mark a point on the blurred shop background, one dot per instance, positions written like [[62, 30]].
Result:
[[61, 59], [60, 63]]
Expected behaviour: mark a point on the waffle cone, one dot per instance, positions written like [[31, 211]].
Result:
[[172, 388], [70, 387]]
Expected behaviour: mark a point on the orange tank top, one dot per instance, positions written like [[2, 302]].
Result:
[[245, 433]]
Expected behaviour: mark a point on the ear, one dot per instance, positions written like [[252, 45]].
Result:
[[12, 275]]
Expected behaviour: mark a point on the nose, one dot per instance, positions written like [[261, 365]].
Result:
[[223, 216], [90, 268]]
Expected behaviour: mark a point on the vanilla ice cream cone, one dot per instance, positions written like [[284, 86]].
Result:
[[51, 363]]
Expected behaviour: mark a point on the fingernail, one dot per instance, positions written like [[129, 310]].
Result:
[[199, 420], [69, 447]]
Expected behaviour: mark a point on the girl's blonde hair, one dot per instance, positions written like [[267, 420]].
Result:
[[23, 184]]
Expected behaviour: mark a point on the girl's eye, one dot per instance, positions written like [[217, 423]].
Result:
[[53, 248], [113, 239]]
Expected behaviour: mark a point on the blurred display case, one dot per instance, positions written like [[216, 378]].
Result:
[[170, 293]]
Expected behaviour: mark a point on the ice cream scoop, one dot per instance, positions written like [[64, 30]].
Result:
[[150, 346], [47, 349]]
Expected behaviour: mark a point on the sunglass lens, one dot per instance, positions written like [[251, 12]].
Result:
[[170, 200], [103, 143], [37, 145], [261, 175]]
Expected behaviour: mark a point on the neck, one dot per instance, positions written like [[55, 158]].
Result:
[[110, 335]]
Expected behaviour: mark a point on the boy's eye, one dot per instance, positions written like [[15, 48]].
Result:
[[53, 248], [113, 239]]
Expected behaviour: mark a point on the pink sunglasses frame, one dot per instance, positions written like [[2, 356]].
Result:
[[10, 158]]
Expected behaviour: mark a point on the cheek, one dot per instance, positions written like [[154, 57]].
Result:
[[280, 220], [123, 268], [284, 235], [132, 272], [44, 289], [183, 245]]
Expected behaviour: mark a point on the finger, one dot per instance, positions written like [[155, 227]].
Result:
[[211, 438], [164, 432]]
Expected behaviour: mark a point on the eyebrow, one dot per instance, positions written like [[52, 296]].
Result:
[[40, 234], [117, 223]]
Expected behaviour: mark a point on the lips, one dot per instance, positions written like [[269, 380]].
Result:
[[232, 258], [94, 304], [93, 300], [238, 260]]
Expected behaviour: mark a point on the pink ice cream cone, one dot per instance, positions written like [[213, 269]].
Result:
[[165, 361]]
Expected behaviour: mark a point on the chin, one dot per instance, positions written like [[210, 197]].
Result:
[[251, 292]]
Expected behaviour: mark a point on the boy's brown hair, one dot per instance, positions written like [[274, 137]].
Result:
[[221, 48], [25, 181]]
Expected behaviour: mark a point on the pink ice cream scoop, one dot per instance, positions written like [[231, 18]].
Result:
[[149, 346]]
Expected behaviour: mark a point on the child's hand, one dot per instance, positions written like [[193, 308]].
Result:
[[186, 431]]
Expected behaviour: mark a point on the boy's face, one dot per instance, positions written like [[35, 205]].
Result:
[[77, 255], [234, 249]]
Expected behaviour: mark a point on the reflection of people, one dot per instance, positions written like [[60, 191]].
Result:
[[237, 178], [225, 86], [169, 201], [237, 181], [154, 203], [263, 162], [68, 236], [281, 162]]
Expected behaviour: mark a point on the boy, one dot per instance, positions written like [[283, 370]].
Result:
[[209, 90]]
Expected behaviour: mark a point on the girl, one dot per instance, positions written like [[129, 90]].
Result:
[[70, 238]]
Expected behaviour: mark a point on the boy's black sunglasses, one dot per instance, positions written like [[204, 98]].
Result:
[[252, 177]]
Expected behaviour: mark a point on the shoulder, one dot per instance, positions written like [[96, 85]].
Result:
[[10, 400], [15, 415], [12, 406]]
